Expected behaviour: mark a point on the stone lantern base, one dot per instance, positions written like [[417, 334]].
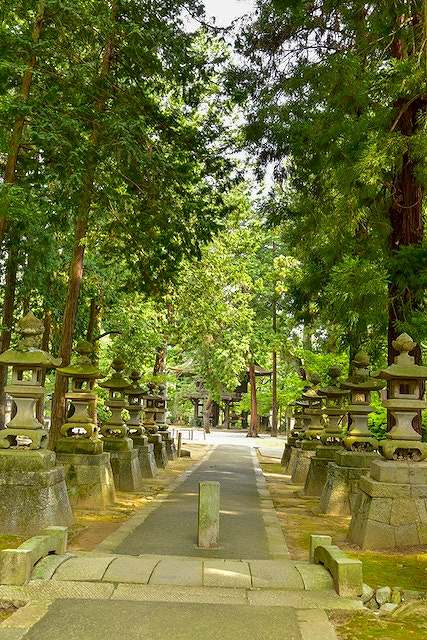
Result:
[[287, 452], [159, 450], [33, 493], [147, 460], [318, 470], [342, 481], [302, 459], [124, 463], [169, 444], [89, 479], [391, 509]]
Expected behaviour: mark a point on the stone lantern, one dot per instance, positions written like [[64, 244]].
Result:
[[311, 404], [288, 456], [161, 404], [88, 470], [334, 413], [124, 458], [135, 398], [33, 490], [390, 511], [151, 427], [341, 487]]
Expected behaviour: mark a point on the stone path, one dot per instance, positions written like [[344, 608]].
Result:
[[150, 581], [171, 529]]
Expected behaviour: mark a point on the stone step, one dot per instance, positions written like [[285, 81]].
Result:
[[184, 571]]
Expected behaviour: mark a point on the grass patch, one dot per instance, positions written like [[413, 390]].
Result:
[[272, 467], [405, 571], [366, 626], [10, 542]]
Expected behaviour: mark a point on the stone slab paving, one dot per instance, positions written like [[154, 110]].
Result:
[[190, 572], [72, 620], [171, 529]]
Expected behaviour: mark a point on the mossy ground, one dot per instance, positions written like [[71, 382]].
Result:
[[407, 623], [10, 542], [5, 613], [299, 517]]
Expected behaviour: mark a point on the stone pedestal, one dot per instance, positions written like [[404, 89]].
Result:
[[147, 460], [318, 470], [169, 444], [159, 450], [290, 468], [33, 493], [287, 452], [302, 461], [124, 463], [342, 482], [89, 479], [391, 509]]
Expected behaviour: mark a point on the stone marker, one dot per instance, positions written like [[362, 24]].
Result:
[[391, 509], [135, 396], [289, 453], [208, 530], [342, 482], [333, 421], [33, 493], [179, 446], [88, 472], [124, 458]]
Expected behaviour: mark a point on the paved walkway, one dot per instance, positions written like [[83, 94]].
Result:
[[249, 588], [172, 528]]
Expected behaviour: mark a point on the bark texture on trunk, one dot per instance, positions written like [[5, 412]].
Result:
[[253, 425], [93, 326], [160, 363]]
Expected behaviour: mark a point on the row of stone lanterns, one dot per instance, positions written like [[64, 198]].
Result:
[[382, 485], [38, 485]]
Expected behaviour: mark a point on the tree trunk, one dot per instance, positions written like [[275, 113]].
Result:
[[406, 219], [80, 231], [93, 328], [160, 363], [9, 176], [207, 415], [253, 425], [47, 321], [7, 320]]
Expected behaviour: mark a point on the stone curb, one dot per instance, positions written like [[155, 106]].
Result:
[[275, 539], [112, 541]]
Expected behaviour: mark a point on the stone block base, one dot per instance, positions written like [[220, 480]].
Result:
[[159, 450], [33, 493], [301, 465], [147, 460], [391, 508], [342, 482], [287, 452], [126, 470], [89, 479], [289, 470], [318, 470], [170, 446]]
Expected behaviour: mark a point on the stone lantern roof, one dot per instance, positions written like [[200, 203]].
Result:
[[333, 390], [404, 365], [117, 381], [83, 366], [361, 377], [134, 388], [28, 352]]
